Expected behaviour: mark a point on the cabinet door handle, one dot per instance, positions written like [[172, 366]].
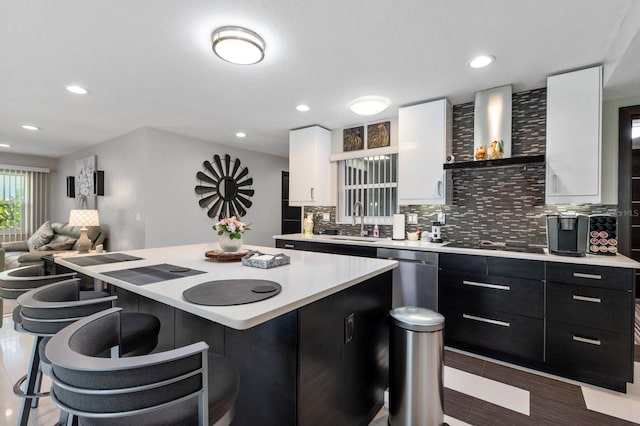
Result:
[[590, 276], [440, 186], [554, 181], [311, 193], [485, 285], [587, 299], [289, 246], [487, 320], [585, 340]]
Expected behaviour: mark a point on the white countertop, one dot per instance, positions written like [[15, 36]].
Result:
[[618, 260], [309, 277]]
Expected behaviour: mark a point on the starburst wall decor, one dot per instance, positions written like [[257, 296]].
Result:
[[225, 187]]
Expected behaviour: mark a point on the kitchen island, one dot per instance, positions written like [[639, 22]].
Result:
[[316, 353]]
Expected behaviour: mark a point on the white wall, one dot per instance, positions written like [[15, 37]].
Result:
[[152, 173]]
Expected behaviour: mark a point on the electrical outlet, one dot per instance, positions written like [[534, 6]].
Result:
[[412, 218], [441, 218], [326, 217]]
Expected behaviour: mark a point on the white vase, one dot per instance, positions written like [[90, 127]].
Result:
[[229, 245]]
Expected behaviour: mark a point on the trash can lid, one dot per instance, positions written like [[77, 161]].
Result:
[[417, 319]]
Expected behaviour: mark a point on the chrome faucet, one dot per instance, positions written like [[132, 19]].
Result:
[[353, 217]]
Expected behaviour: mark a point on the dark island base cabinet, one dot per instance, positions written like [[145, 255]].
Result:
[[349, 250], [323, 364]]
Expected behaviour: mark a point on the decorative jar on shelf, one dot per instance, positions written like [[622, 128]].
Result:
[[307, 224]]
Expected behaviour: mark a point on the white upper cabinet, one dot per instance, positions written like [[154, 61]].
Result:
[[309, 167], [425, 132], [574, 138]]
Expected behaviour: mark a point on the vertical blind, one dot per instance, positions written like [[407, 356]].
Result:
[[24, 201], [372, 182]]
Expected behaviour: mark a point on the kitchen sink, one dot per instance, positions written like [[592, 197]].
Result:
[[349, 238]]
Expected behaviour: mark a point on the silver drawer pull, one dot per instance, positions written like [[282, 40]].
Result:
[[487, 320], [289, 246], [585, 340], [591, 276], [485, 285], [587, 299]]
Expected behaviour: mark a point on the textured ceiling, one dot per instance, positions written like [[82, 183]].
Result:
[[149, 62]]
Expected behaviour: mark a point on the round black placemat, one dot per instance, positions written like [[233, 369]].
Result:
[[231, 292]]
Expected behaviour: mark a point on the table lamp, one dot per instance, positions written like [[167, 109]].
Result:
[[84, 218]]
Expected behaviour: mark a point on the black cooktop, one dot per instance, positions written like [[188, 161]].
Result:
[[508, 247]]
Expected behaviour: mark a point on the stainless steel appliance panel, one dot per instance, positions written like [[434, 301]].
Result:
[[415, 280]]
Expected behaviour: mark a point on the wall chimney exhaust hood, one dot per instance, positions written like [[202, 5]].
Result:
[[492, 124]]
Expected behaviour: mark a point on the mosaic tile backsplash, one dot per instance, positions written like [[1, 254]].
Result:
[[500, 204]]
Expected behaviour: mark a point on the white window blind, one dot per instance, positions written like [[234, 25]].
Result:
[[24, 201], [371, 181]]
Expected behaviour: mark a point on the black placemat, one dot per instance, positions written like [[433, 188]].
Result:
[[101, 259], [231, 292], [153, 274]]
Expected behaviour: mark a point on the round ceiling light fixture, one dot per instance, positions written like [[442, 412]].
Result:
[[369, 105], [481, 61], [30, 127], [303, 108], [238, 45], [77, 90], [241, 135], [5, 145]]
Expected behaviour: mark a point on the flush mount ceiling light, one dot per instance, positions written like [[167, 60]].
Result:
[[481, 61], [30, 127], [303, 108], [5, 145], [369, 105], [238, 45], [77, 90], [241, 135]]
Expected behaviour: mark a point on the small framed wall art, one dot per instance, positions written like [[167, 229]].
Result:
[[352, 139], [378, 135]]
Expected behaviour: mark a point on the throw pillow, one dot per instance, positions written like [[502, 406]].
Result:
[[42, 236], [59, 246]]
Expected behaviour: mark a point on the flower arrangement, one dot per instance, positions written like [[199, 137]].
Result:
[[231, 226]]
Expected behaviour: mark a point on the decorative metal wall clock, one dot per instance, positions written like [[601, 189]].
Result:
[[225, 187]]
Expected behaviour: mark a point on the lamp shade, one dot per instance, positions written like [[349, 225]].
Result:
[[84, 218]]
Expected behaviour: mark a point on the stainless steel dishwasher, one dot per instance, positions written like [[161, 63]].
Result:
[[415, 280]]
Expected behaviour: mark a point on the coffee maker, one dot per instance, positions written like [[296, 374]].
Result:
[[567, 235]]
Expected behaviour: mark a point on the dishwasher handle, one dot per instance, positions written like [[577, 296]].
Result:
[[415, 261]]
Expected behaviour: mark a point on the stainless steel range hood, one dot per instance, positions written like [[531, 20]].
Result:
[[492, 121]]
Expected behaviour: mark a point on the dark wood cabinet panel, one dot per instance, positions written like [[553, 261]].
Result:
[[491, 293], [589, 275], [517, 268], [590, 307], [497, 331], [463, 263], [582, 350]]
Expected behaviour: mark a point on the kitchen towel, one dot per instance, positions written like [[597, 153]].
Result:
[[398, 227]]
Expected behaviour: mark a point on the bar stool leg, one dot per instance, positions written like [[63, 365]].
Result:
[[30, 387]]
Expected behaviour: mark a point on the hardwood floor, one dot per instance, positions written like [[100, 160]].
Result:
[[550, 401]]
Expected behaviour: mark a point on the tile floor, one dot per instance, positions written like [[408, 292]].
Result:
[[477, 392]]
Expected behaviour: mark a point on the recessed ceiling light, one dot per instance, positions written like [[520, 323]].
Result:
[[77, 90], [369, 105], [238, 45], [481, 61], [241, 135], [30, 127], [5, 145], [303, 108]]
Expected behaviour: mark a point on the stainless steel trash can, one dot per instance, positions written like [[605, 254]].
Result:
[[415, 367]]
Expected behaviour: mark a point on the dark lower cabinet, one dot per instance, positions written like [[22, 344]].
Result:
[[347, 249]]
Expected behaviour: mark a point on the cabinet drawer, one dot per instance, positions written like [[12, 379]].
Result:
[[463, 263], [590, 307], [497, 331], [481, 293], [594, 276], [577, 349], [517, 268]]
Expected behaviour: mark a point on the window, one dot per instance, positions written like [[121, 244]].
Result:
[[24, 201], [372, 182], [12, 197]]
